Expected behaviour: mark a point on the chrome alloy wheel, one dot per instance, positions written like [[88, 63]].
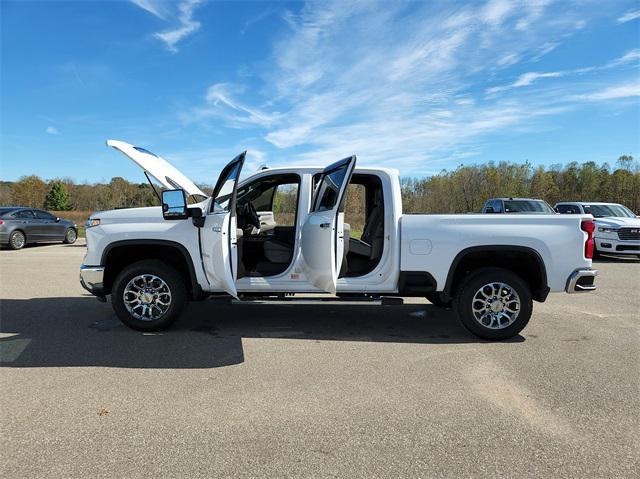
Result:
[[496, 305], [71, 236], [17, 240], [147, 297]]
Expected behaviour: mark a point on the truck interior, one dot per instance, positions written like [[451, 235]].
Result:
[[364, 218], [267, 212]]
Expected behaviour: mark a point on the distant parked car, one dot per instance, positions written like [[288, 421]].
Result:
[[517, 205], [19, 226], [617, 228]]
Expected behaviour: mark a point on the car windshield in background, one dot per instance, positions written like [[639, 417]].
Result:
[[524, 206], [603, 211]]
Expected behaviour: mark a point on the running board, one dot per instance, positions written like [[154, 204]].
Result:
[[377, 300]]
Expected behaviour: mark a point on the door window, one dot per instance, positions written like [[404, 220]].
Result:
[[43, 215], [285, 201], [329, 188], [224, 189], [356, 209], [24, 215]]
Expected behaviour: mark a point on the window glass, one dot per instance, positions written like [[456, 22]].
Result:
[[602, 211], [497, 206], [568, 209], [329, 189], [224, 189], [43, 215], [355, 209], [24, 214], [285, 202], [525, 206]]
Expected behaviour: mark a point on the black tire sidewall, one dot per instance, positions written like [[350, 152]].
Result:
[[24, 242], [169, 275], [66, 234], [464, 299]]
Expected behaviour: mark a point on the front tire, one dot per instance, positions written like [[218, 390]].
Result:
[[17, 240], [70, 236], [494, 304], [148, 295]]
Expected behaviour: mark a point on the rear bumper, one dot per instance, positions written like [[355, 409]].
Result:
[[92, 279], [582, 281]]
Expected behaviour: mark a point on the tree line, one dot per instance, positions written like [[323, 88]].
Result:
[[462, 190]]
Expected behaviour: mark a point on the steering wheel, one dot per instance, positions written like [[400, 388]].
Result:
[[251, 215]]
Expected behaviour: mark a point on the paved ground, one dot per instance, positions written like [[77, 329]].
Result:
[[316, 390]]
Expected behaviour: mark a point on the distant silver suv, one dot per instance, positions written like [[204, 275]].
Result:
[[517, 205], [19, 226]]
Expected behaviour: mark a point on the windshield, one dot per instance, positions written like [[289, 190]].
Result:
[[603, 211], [527, 206]]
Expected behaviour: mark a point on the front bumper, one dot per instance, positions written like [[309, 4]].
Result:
[[92, 279], [617, 246], [582, 281]]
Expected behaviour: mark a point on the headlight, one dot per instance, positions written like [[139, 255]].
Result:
[[92, 222], [607, 230]]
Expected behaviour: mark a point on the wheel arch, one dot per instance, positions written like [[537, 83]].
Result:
[[524, 261], [120, 254]]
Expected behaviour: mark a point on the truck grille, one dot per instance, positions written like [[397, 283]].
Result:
[[629, 233]]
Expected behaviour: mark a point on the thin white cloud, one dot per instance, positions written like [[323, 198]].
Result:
[[156, 7], [182, 11], [496, 11], [625, 90], [52, 130], [628, 16], [525, 79]]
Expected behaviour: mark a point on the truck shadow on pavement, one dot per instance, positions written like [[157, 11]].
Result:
[[80, 331]]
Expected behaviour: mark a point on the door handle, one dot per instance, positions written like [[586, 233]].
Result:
[[217, 229], [325, 225]]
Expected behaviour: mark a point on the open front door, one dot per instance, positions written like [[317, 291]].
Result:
[[219, 239], [323, 232]]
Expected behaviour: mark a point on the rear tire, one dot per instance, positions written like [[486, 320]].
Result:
[[70, 236], [17, 240], [148, 295], [494, 304]]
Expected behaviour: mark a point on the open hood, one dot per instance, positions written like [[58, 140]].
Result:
[[163, 171]]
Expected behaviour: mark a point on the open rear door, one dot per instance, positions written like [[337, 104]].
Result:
[[323, 232], [219, 235]]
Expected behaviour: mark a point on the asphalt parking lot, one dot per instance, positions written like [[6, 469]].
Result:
[[286, 390]]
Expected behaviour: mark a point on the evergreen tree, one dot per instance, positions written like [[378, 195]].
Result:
[[57, 199]]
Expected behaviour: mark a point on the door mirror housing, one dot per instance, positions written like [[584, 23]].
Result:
[[174, 205], [57, 219]]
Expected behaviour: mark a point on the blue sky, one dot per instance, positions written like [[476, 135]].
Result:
[[418, 86]]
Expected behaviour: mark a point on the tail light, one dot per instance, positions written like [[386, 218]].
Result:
[[1, 222], [588, 226]]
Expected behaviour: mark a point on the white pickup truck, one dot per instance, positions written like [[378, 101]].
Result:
[[489, 268]]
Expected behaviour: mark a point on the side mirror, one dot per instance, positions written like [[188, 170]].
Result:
[[489, 209], [57, 219], [174, 205]]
